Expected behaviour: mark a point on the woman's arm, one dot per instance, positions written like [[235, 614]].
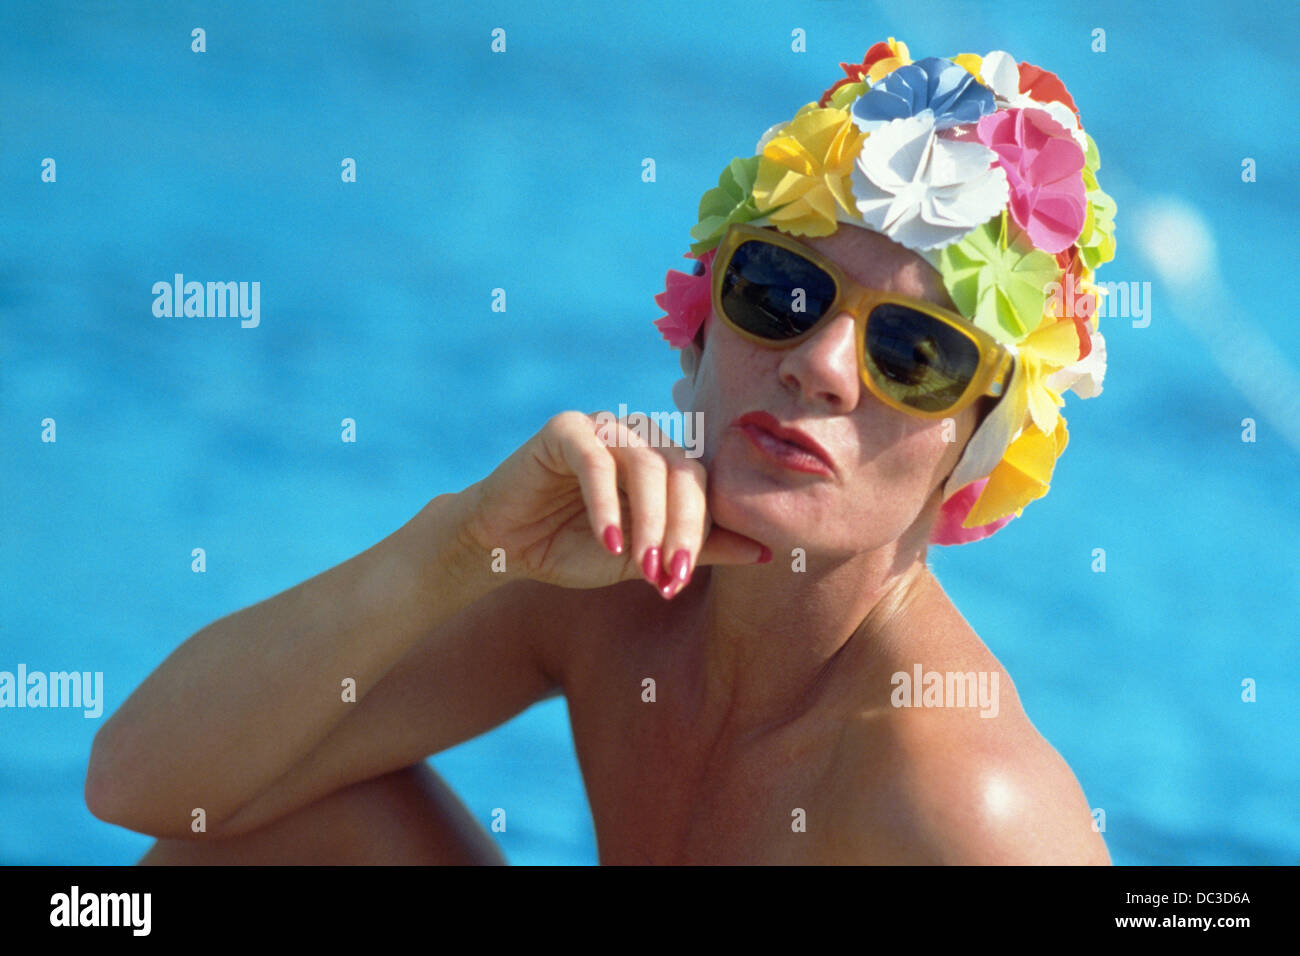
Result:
[[248, 721], [251, 695]]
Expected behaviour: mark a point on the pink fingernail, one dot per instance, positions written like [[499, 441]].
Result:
[[650, 565], [668, 585], [681, 567], [614, 539]]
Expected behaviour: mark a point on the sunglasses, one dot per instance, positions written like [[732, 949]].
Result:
[[913, 355]]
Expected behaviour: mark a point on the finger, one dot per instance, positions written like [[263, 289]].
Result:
[[643, 476], [686, 514], [590, 461], [727, 547], [686, 522]]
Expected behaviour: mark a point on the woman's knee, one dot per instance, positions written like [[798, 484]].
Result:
[[407, 817]]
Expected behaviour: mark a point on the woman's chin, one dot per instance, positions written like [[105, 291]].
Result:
[[784, 519], [774, 517]]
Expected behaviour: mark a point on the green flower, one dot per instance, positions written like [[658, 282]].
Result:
[[1097, 240], [846, 94], [732, 201], [999, 280]]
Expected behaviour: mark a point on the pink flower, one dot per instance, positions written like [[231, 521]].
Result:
[[687, 300], [948, 530], [1044, 167]]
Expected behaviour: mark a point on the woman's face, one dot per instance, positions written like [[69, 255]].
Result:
[[887, 467]]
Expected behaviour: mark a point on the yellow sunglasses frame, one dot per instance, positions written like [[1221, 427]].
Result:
[[995, 361]]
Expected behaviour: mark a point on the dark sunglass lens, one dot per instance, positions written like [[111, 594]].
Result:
[[919, 360], [773, 293]]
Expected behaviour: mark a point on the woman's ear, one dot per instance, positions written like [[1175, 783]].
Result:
[[985, 405], [690, 359], [684, 389], [982, 406]]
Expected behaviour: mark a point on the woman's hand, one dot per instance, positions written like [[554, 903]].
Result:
[[587, 503]]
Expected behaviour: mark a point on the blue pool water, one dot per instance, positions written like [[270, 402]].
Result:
[[522, 171]]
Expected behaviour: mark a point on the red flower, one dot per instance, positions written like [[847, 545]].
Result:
[[1045, 86], [1081, 312], [854, 72], [688, 300]]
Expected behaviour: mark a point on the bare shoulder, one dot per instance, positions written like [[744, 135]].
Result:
[[935, 792], [952, 771]]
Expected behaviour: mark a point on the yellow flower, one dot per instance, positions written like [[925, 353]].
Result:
[[1023, 474], [1052, 346], [882, 68], [806, 169], [970, 62], [1025, 471]]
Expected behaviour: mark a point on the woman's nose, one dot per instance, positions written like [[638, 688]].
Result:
[[824, 367]]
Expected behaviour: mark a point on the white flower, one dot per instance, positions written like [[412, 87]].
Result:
[[922, 190], [771, 134], [1000, 73], [1083, 377]]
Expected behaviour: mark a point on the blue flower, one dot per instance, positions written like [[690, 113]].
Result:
[[947, 90]]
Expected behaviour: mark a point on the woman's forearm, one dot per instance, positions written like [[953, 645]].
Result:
[[245, 698]]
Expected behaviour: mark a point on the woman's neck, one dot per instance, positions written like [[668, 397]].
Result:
[[769, 638]]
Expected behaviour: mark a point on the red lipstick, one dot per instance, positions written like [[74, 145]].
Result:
[[786, 446]]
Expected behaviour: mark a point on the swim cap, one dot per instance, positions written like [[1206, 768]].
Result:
[[981, 166]]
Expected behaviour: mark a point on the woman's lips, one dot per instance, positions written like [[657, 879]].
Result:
[[786, 446]]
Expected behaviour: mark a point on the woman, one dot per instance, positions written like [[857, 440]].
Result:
[[876, 348]]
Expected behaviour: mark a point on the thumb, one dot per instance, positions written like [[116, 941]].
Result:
[[728, 547]]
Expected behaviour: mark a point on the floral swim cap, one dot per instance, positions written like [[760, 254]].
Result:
[[981, 166]]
